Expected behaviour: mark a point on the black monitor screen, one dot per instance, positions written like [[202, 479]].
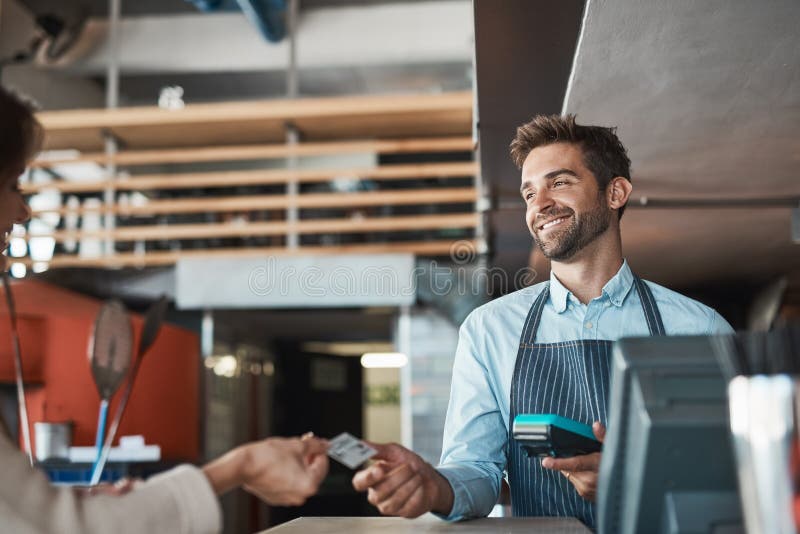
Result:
[[667, 462]]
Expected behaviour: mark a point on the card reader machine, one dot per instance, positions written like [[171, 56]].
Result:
[[553, 435]]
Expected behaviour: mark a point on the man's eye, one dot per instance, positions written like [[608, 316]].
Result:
[[559, 182], [528, 196]]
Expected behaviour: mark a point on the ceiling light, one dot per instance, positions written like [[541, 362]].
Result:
[[226, 365], [171, 97], [346, 348], [372, 360], [17, 247], [18, 270]]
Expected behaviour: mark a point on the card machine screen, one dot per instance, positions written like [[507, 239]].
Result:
[[553, 435]]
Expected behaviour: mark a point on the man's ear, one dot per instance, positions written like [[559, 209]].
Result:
[[617, 192]]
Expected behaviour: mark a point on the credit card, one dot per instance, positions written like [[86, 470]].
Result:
[[349, 450]]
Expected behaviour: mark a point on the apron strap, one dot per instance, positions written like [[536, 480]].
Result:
[[651, 313], [527, 339], [528, 336]]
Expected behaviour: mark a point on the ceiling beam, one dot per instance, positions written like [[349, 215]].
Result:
[[354, 36]]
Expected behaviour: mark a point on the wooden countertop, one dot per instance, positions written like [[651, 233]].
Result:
[[429, 523]]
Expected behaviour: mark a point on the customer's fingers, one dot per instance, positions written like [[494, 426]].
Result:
[[314, 445], [125, 485], [318, 468]]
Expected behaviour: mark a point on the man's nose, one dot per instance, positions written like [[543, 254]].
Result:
[[542, 202]]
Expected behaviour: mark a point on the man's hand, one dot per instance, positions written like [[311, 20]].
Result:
[[581, 471], [401, 483], [279, 471]]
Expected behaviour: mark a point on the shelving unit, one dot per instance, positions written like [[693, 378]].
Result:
[[220, 180]]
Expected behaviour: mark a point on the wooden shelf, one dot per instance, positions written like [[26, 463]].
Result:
[[237, 123], [430, 130], [260, 177], [205, 154], [449, 195], [272, 228], [159, 258]]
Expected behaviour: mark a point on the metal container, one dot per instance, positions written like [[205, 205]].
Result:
[[763, 412], [53, 440]]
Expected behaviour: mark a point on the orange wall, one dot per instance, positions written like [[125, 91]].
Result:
[[55, 325]]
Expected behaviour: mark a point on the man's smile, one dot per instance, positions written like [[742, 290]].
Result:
[[551, 223]]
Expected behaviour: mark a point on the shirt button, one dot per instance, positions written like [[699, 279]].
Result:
[[589, 325]]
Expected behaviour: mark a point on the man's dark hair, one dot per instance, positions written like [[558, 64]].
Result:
[[603, 152], [21, 135]]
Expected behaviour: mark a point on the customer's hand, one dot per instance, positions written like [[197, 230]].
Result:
[[400, 483], [119, 488], [582, 471], [286, 471], [279, 471]]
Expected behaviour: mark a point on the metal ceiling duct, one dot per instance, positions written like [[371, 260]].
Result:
[[269, 16]]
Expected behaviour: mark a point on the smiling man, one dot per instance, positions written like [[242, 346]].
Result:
[[546, 348]]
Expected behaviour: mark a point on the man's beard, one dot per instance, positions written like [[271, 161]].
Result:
[[564, 243]]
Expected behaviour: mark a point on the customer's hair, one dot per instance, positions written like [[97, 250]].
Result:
[[603, 152], [21, 135]]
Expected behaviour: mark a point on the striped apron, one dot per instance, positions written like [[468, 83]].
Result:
[[570, 379]]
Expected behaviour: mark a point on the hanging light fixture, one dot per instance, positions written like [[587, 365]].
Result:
[[386, 360]]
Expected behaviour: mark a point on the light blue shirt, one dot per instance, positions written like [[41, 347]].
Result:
[[476, 428]]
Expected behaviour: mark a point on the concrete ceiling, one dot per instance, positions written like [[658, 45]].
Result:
[[343, 47], [706, 96], [143, 90], [99, 8], [523, 55]]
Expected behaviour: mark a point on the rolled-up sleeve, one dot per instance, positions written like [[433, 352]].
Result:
[[475, 435]]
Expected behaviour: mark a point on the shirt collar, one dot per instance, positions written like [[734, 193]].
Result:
[[620, 285], [615, 289], [558, 293]]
